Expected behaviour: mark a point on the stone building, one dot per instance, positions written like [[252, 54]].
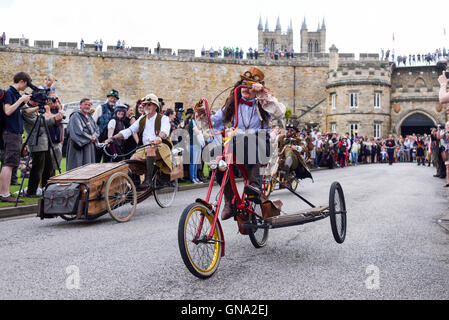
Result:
[[274, 40], [373, 98], [312, 42]]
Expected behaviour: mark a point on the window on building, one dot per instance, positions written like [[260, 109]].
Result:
[[333, 127], [333, 101], [354, 100], [354, 129], [317, 46], [377, 99], [310, 48], [377, 130]]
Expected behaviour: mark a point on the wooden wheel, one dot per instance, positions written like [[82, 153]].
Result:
[[120, 197]]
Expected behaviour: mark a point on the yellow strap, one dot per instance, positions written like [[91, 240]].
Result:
[[226, 140]]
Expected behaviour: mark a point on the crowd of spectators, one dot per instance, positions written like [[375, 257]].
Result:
[[414, 59]]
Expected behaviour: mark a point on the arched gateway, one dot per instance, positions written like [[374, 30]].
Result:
[[418, 123]]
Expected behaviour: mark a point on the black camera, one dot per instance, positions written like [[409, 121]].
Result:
[[442, 66], [40, 96]]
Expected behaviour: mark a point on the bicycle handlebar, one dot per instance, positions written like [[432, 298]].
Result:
[[115, 156], [236, 110]]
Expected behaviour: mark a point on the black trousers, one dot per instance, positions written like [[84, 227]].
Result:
[[391, 156], [253, 176], [41, 169]]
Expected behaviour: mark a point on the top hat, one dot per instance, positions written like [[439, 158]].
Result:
[[179, 107]]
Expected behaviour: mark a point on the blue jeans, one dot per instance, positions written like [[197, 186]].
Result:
[[195, 158], [354, 158]]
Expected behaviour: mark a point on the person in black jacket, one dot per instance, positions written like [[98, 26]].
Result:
[[390, 144]]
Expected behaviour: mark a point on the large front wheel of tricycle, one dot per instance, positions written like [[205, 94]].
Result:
[[200, 254], [259, 234], [337, 210], [120, 197]]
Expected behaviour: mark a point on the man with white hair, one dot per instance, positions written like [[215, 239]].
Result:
[[153, 130]]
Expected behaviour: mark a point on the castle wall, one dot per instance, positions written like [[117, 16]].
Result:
[[175, 79], [304, 86]]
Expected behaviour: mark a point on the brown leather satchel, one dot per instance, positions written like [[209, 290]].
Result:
[[444, 156], [271, 209]]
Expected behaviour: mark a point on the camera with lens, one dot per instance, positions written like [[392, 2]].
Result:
[[442, 66], [40, 96]]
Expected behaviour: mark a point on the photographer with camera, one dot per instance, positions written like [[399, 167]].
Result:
[[13, 130], [53, 108], [39, 144]]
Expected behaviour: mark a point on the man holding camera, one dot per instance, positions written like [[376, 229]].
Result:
[[39, 145], [13, 130]]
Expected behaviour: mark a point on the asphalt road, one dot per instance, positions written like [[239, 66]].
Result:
[[394, 249]]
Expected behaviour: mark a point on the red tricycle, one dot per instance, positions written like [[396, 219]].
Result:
[[200, 235]]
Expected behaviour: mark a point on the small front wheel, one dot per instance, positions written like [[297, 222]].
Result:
[[258, 236], [200, 254], [120, 197], [337, 209]]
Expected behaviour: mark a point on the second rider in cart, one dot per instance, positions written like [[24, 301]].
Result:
[[257, 107]]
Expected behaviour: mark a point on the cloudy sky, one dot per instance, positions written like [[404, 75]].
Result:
[[354, 26]]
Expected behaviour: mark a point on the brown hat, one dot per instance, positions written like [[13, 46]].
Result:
[[253, 74]]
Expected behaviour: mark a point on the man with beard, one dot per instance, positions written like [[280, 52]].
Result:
[[152, 128]]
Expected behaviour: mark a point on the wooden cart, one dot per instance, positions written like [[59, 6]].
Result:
[[106, 188]]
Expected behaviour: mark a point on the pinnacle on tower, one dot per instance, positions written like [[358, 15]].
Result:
[[260, 27], [323, 25], [266, 25], [290, 27], [319, 27], [304, 26], [278, 24]]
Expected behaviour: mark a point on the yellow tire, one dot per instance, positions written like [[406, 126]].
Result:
[[200, 255]]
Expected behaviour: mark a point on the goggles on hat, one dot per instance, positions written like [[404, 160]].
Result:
[[249, 75]]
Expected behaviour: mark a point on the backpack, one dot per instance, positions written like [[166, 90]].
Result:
[[2, 117]]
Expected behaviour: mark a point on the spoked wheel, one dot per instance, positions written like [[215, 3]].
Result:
[[200, 254], [337, 209], [120, 197], [164, 190], [258, 236]]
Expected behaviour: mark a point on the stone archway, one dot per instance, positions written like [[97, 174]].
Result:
[[417, 122]]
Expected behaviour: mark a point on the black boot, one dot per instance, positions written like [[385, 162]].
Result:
[[146, 184]]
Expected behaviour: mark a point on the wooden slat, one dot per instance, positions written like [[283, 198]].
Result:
[[297, 217]]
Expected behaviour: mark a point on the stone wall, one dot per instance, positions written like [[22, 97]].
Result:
[[175, 79], [304, 86]]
